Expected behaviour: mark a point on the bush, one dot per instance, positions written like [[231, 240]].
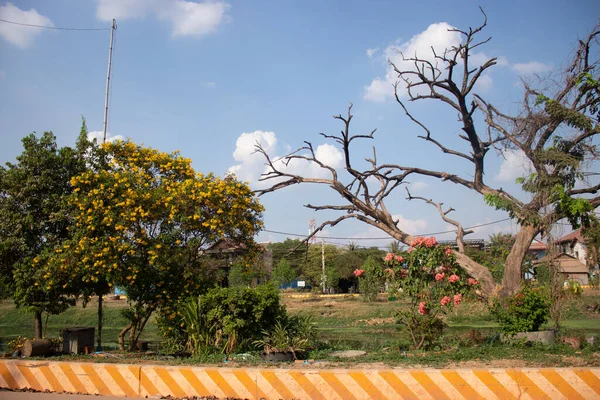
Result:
[[223, 319], [371, 279], [283, 273], [239, 275], [574, 288], [526, 311], [297, 334]]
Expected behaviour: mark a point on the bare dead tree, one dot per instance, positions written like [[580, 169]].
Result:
[[450, 79], [460, 231]]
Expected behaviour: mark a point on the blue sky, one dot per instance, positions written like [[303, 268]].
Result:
[[196, 76]]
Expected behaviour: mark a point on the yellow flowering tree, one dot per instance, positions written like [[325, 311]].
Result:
[[142, 222]]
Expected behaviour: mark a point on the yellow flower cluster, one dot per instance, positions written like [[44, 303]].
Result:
[[136, 216]]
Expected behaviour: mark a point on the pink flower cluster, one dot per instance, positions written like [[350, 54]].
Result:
[[453, 278], [448, 251], [389, 257], [457, 299], [359, 272], [472, 281], [423, 241], [423, 308], [445, 300], [439, 277]]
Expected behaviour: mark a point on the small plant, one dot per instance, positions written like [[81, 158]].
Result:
[[574, 288], [526, 311], [594, 281], [17, 344], [291, 337]]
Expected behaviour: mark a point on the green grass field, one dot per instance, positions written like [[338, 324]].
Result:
[[16, 322], [349, 323]]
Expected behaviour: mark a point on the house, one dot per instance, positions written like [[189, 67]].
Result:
[[573, 244], [226, 251], [538, 248], [571, 268]]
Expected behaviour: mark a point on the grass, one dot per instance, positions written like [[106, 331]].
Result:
[[16, 322], [349, 323]]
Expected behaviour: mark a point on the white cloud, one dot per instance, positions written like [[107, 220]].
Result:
[[411, 226], [188, 18], [532, 67], [515, 165], [484, 83], [21, 36], [478, 59], [210, 85], [99, 136], [436, 36], [372, 52], [252, 165], [418, 186], [379, 90]]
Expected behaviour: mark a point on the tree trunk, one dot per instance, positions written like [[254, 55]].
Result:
[[132, 337], [38, 325], [511, 281], [122, 337], [33, 348], [477, 271], [99, 338]]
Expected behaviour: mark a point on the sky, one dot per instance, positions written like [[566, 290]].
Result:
[[211, 78]]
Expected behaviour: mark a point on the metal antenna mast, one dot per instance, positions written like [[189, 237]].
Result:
[[113, 28]]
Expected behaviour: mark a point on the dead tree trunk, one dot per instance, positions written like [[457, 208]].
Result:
[[33, 348], [512, 268], [477, 271]]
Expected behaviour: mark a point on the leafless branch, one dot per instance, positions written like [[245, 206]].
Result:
[[460, 232]]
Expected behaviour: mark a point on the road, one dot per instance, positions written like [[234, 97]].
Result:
[[4, 395]]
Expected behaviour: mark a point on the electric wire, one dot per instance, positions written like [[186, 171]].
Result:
[[53, 27]]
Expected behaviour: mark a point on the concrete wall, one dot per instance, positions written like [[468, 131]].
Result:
[[300, 383]]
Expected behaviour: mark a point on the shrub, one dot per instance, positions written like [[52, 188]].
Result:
[[429, 275], [223, 319], [283, 273], [239, 275], [370, 279], [297, 334], [526, 311], [574, 288]]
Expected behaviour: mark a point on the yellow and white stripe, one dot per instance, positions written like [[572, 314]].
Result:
[[181, 381]]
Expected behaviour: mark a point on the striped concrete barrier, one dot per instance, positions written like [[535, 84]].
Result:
[[181, 381]]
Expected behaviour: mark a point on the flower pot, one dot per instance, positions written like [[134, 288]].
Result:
[[278, 356]]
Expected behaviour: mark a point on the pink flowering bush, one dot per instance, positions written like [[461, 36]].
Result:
[[372, 277], [429, 275]]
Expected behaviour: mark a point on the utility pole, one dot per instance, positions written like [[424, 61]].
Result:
[[323, 277], [113, 28]]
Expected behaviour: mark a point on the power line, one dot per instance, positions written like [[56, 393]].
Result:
[[54, 27], [383, 238]]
